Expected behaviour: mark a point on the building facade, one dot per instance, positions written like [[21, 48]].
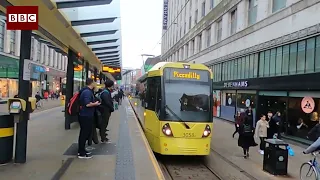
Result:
[[263, 54], [49, 66]]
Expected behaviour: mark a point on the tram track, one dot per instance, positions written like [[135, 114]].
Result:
[[181, 168]]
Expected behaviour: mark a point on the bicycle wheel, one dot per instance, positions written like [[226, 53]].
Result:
[[308, 172]]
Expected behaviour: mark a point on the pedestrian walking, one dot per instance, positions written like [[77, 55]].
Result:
[[262, 132], [246, 139], [238, 121], [86, 117]]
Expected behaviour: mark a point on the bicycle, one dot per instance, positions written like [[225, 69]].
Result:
[[312, 167], [39, 104]]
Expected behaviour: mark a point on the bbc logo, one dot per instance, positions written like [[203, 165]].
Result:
[[22, 18]]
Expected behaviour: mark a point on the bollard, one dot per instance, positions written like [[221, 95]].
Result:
[[6, 138], [62, 100]]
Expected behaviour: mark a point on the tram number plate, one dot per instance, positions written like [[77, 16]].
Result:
[[188, 135]]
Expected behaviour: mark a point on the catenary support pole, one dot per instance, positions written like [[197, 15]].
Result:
[[69, 86], [24, 90]]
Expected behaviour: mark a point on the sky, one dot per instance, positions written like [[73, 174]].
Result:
[[141, 28]]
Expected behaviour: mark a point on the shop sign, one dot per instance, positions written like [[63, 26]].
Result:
[[236, 84], [307, 105], [39, 69]]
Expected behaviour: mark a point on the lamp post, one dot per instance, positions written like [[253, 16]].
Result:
[[147, 55]]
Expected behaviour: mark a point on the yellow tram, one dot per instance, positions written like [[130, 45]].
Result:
[[178, 108]]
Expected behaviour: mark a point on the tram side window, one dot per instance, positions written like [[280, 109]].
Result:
[[153, 93]]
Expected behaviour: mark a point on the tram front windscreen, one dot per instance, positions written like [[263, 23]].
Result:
[[187, 95]]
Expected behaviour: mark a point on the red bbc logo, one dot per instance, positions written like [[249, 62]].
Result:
[[22, 17]]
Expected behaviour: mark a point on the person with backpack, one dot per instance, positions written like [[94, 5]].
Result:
[[262, 132], [86, 117], [106, 108], [246, 139]]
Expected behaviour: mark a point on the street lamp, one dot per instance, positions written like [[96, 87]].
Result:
[[147, 55]]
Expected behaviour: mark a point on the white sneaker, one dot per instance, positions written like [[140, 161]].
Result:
[[262, 152], [84, 156]]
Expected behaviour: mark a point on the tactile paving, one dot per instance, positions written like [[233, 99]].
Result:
[[97, 149], [124, 165]]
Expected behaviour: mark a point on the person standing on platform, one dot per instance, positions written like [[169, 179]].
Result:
[[106, 108], [262, 132], [86, 117]]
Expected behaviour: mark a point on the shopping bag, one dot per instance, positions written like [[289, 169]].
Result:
[[290, 151], [116, 106]]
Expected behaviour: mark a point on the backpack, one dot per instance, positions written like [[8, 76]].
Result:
[[247, 128], [74, 104], [99, 95]]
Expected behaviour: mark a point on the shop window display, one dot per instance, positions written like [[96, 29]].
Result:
[[246, 100], [216, 103], [303, 115], [228, 107], [273, 104]]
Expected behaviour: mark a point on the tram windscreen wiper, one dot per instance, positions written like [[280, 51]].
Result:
[[175, 115]]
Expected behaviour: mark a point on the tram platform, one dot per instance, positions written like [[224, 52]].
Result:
[[52, 151]]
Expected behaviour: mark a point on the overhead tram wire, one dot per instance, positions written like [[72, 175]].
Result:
[[173, 22]]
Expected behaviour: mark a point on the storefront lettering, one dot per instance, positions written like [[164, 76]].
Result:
[[236, 84], [190, 75]]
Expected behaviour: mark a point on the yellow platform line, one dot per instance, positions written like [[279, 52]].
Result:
[[151, 155]]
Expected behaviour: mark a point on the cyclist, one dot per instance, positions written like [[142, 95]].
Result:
[[38, 98]]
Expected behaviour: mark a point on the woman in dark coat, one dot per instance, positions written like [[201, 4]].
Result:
[[246, 139]]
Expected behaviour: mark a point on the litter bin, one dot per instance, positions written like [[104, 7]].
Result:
[[275, 159], [6, 138]]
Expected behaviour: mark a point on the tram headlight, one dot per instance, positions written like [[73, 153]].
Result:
[[166, 130], [207, 131]]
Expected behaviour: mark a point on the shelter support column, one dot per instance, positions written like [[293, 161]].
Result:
[[24, 91], [82, 74], [100, 77], [69, 86], [95, 74], [87, 69]]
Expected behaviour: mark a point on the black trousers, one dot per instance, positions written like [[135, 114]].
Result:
[[86, 124], [262, 143], [104, 124]]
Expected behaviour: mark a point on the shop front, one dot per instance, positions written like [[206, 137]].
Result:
[[9, 73], [54, 80], [230, 97], [296, 97]]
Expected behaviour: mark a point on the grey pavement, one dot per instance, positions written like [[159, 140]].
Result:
[[52, 151]]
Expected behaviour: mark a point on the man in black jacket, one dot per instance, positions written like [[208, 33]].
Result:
[[106, 108]]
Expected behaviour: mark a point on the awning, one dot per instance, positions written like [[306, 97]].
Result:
[[6, 61], [98, 22]]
